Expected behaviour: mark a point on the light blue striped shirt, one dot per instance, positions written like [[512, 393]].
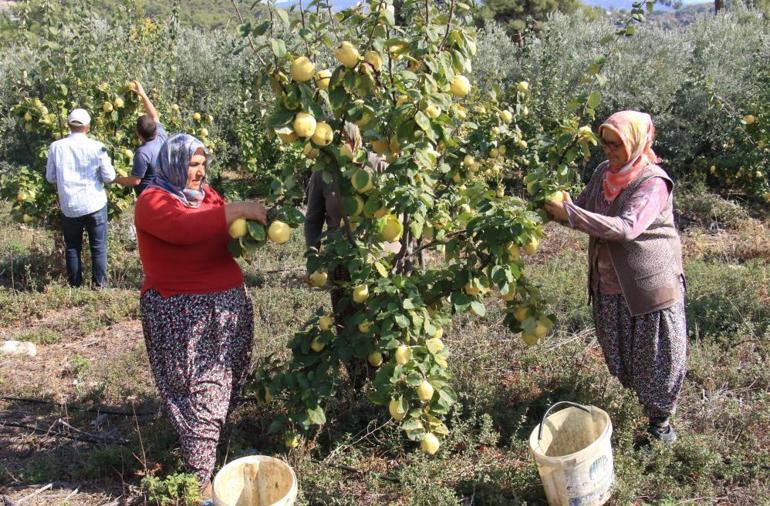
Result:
[[79, 166]]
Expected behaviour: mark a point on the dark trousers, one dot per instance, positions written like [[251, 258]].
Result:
[[96, 226]]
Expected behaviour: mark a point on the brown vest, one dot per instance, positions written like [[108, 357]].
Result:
[[649, 268]]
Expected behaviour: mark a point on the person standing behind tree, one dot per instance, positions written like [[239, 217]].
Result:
[[324, 206], [152, 135], [79, 167]]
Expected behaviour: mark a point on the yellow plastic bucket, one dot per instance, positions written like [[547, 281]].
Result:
[[255, 480], [574, 456]]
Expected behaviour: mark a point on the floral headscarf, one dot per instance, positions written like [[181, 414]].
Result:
[[173, 165], [637, 133]]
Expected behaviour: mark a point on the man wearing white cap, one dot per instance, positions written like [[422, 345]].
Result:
[[79, 167]]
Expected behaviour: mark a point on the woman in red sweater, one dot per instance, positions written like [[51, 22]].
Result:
[[196, 315]]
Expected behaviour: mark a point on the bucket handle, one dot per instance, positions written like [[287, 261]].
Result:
[[548, 412]]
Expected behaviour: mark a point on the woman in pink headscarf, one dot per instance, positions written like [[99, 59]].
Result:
[[636, 279]]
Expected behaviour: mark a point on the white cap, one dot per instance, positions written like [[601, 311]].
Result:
[[79, 117]]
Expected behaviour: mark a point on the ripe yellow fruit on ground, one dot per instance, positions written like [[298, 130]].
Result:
[[521, 313], [196, 116], [279, 232], [540, 330], [325, 322], [522, 86], [322, 79], [529, 339], [360, 294], [304, 125], [291, 440], [374, 59], [461, 86], [364, 327], [531, 247], [394, 408], [403, 354], [362, 180], [347, 54], [375, 359], [509, 294], [316, 345], [749, 119], [317, 279], [429, 443], [107, 106], [506, 116], [323, 135], [302, 69], [119, 103], [425, 391], [238, 228]]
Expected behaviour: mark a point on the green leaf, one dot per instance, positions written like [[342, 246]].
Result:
[[423, 121], [594, 99], [381, 269], [234, 247], [402, 321], [256, 231], [283, 15], [279, 47], [316, 416], [261, 29], [434, 347], [478, 308]]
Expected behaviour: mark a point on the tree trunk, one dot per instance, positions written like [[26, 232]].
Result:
[[718, 6]]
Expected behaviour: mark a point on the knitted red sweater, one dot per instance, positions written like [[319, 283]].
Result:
[[183, 249]]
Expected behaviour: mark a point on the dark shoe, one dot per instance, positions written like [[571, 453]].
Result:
[[665, 434]]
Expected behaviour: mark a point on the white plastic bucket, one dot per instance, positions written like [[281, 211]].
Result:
[[574, 456], [255, 480]]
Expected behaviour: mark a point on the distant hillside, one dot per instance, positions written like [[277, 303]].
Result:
[[210, 14]]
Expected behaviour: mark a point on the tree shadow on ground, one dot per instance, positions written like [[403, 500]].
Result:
[[90, 446]]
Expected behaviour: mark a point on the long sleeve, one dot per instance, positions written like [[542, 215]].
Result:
[[640, 211], [106, 170], [161, 215], [50, 166], [316, 210]]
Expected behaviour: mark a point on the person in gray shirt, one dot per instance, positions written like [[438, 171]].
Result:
[[152, 135]]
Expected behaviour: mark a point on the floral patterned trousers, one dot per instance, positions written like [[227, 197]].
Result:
[[647, 353], [199, 347]]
